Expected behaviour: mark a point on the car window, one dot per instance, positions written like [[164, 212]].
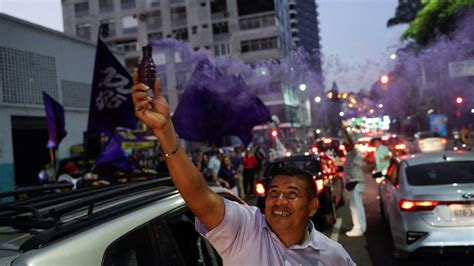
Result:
[[311, 166], [180, 233], [441, 173], [425, 135], [134, 249]]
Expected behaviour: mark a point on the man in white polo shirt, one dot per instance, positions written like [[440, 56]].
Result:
[[242, 234]]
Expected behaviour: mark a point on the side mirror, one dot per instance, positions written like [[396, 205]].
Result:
[[340, 169]]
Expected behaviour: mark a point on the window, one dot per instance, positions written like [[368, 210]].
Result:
[[135, 248], [429, 174], [107, 28], [257, 22], [130, 25], [127, 46], [181, 244], [155, 36], [259, 44], [83, 31], [194, 29], [81, 9], [154, 3], [178, 16], [181, 34], [221, 49], [127, 4], [153, 20], [106, 6], [220, 28]]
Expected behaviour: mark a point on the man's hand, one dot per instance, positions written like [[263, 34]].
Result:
[[152, 111]]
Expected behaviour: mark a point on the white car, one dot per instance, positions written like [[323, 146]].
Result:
[[427, 200], [428, 141]]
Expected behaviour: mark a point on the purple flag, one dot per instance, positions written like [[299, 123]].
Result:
[[111, 103], [55, 120], [214, 106], [114, 155]]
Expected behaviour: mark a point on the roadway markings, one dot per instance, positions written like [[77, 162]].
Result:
[[336, 229]]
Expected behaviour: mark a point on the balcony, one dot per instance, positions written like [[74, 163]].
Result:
[[155, 3], [156, 25], [130, 30], [179, 22], [221, 37], [127, 47], [176, 2], [255, 22], [219, 15]]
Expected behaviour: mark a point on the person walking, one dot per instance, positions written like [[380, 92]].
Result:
[[356, 184], [241, 234], [250, 163], [382, 158], [227, 175]]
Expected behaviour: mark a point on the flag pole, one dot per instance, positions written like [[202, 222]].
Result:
[[53, 161]]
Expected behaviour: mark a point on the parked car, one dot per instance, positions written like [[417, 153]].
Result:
[[428, 141], [327, 177], [142, 223], [427, 200]]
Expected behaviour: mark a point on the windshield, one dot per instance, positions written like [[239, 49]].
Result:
[[312, 166], [441, 173]]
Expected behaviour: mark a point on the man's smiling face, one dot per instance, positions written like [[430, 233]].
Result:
[[288, 205]]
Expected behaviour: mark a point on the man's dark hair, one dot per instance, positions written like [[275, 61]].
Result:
[[300, 174]]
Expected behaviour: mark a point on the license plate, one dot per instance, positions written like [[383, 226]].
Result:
[[462, 211]]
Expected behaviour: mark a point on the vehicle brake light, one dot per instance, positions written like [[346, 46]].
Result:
[[385, 137], [260, 189], [341, 147], [327, 141], [417, 205], [444, 141], [315, 150], [400, 146], [319, 184]]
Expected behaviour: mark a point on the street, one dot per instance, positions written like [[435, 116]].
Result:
[[375, 247]]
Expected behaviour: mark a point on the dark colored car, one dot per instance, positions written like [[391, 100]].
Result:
[[326, 176], [329, 145]]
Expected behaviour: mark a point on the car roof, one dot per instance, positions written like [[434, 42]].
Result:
[[437, 157], [67, 213]]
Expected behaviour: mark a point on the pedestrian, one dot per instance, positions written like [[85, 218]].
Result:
[[226, 176], [250, 165], [241, 234], [237, 164], [214, 164], [356, 184], [382, 158]]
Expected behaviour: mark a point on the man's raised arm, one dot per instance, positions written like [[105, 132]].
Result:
[[154, 112]]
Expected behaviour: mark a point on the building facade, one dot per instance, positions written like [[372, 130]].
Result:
[[252, 30], [35, 59]]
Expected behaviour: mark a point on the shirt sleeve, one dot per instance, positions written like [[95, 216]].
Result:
[[239, 224]]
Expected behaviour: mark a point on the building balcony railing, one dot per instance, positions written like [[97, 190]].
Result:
[[128, 5], [221, 37], [255, 22], [106, 9], [219, 15], [155, 3], [127, 47], [179, 22], [153, 26], [130, 30], [176, 1]]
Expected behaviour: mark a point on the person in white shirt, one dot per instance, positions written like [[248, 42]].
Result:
[[214, 164], [382, 158]]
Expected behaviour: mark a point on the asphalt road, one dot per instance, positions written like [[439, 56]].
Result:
[[374, 248]]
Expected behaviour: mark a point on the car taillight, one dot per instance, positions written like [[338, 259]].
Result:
[[327, 141], [341, 147], [260, 188], [417, 205], [444, 141], [400, 146], [319, 184], [315, 150]]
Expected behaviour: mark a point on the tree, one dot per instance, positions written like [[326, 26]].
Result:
[[435, 18], [406, 12]]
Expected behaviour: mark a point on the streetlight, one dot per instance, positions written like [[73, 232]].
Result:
[[393, 56], [341, 114], [303, 87], [317, 99], [384, 79]]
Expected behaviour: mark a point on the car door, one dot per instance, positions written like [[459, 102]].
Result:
[[388, 188]]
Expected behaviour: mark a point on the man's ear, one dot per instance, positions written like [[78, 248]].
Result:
[[313, 206]]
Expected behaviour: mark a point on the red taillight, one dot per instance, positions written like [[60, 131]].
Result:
[[417, 205], [319, 184], [327, 141], [315, 150], [400, 147], [444, 141], [341, 147], [260, 189]]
